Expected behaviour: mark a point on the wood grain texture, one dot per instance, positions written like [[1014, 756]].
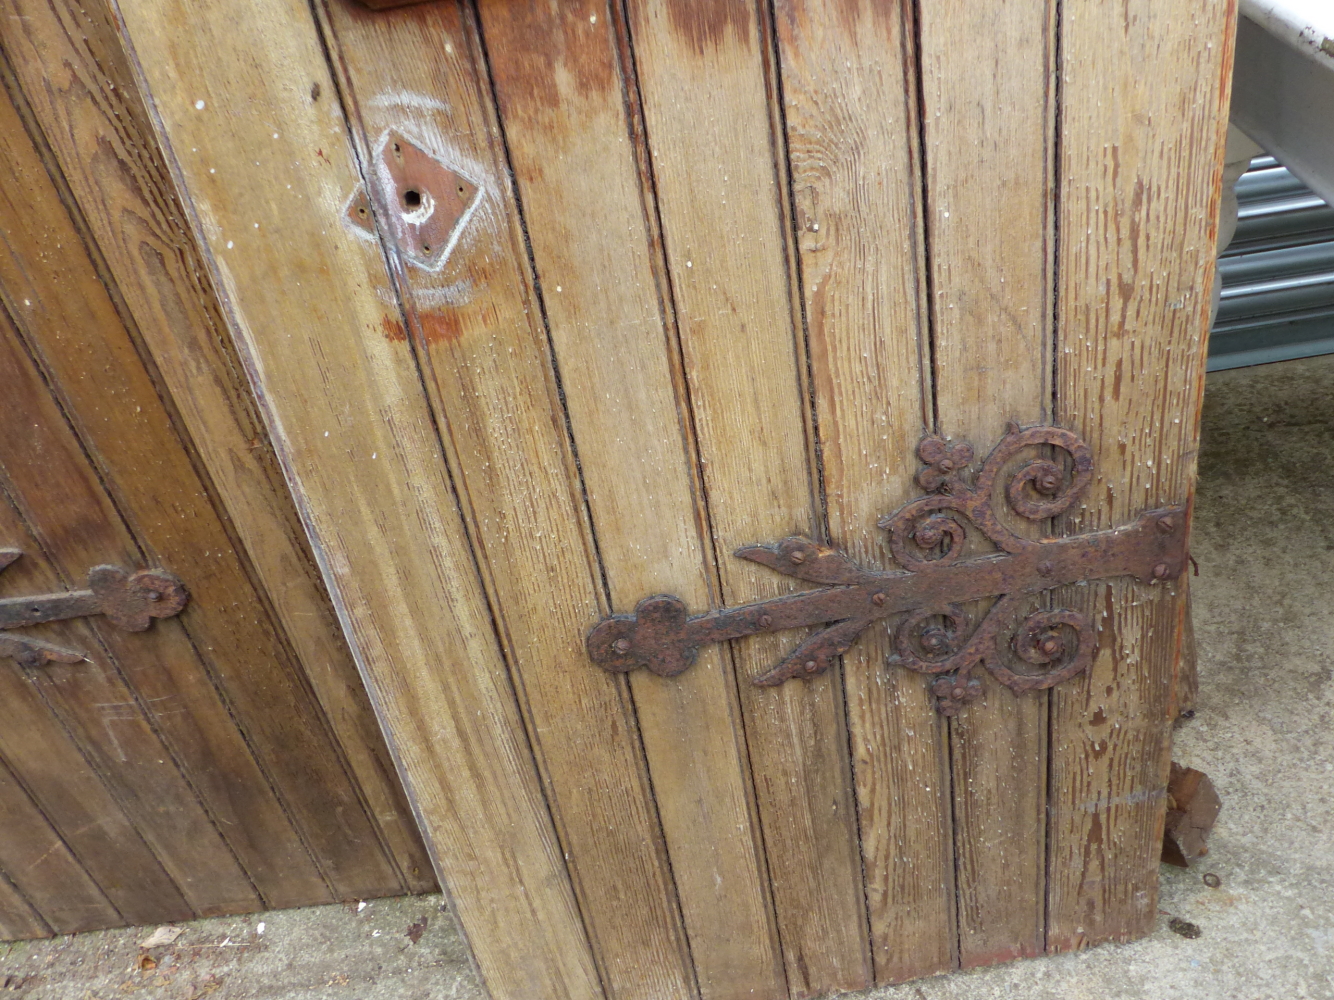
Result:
[[987, 115], [101, 708], [18, 920], [40, 874], [232, 703], [478, 329], [707, 82], [849, 84], [262, 694], [81, 93], [561, 86], [65, 785], [1143, 128], [345, 406]]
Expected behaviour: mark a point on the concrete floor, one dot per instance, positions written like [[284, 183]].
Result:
[[1264, 538]]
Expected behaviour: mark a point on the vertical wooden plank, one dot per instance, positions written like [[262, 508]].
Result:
[[344, 403], [707, 91], [1144, 99], [987, 113], [72, 798], [39, 864], [849, 83], [304, 826], [18, 920], [56, 513], [78, 84], [562, 91], [418, 73]]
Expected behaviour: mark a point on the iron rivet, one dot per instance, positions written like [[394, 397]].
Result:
[[811, 666], [621, 645], [153, 595], [945, 465], [1045, 567], [798, 557], [957, 692], [1166, 524], [765, 621], [1160, 571]]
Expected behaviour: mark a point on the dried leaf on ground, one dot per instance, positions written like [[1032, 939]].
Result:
[[165, 934], [416, 929]]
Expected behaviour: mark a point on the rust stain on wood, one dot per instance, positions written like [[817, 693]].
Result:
[[444, 327], [706, 25], [564, 68], [393, 330]]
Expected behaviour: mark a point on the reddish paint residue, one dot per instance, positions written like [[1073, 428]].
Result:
[[441, 327], [711, 26], [549, 54]]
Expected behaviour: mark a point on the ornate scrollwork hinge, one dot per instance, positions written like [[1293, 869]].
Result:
[[130, 600], [926, 537]]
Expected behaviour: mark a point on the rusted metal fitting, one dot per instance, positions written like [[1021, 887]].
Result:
[[926, 537], [130, 600]]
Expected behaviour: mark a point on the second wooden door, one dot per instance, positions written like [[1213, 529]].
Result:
[[555, 306]]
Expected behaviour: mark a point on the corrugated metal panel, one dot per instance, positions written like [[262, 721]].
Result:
[[1278, 273]]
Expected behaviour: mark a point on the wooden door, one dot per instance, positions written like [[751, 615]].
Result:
[[226, 759], [554, 305]]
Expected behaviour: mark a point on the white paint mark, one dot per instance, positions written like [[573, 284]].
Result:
[[199, 105], [593, 19], [259, 928], [407, 99], [230, 244], [690, 263], [361, 905], [456, 294]]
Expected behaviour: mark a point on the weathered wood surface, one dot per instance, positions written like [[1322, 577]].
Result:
[[254, 127], [577, 149], [988, 107], [721, 198], [851, 115], [72, 69], [726, 266], [45, 888], [227, 697], [65, 785], [1144, 98], [476, 326]]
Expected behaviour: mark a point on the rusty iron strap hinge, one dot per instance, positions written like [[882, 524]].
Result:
[[130, 600], [926, 537]]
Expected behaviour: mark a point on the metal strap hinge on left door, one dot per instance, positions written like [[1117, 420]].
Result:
[[129, 600]]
